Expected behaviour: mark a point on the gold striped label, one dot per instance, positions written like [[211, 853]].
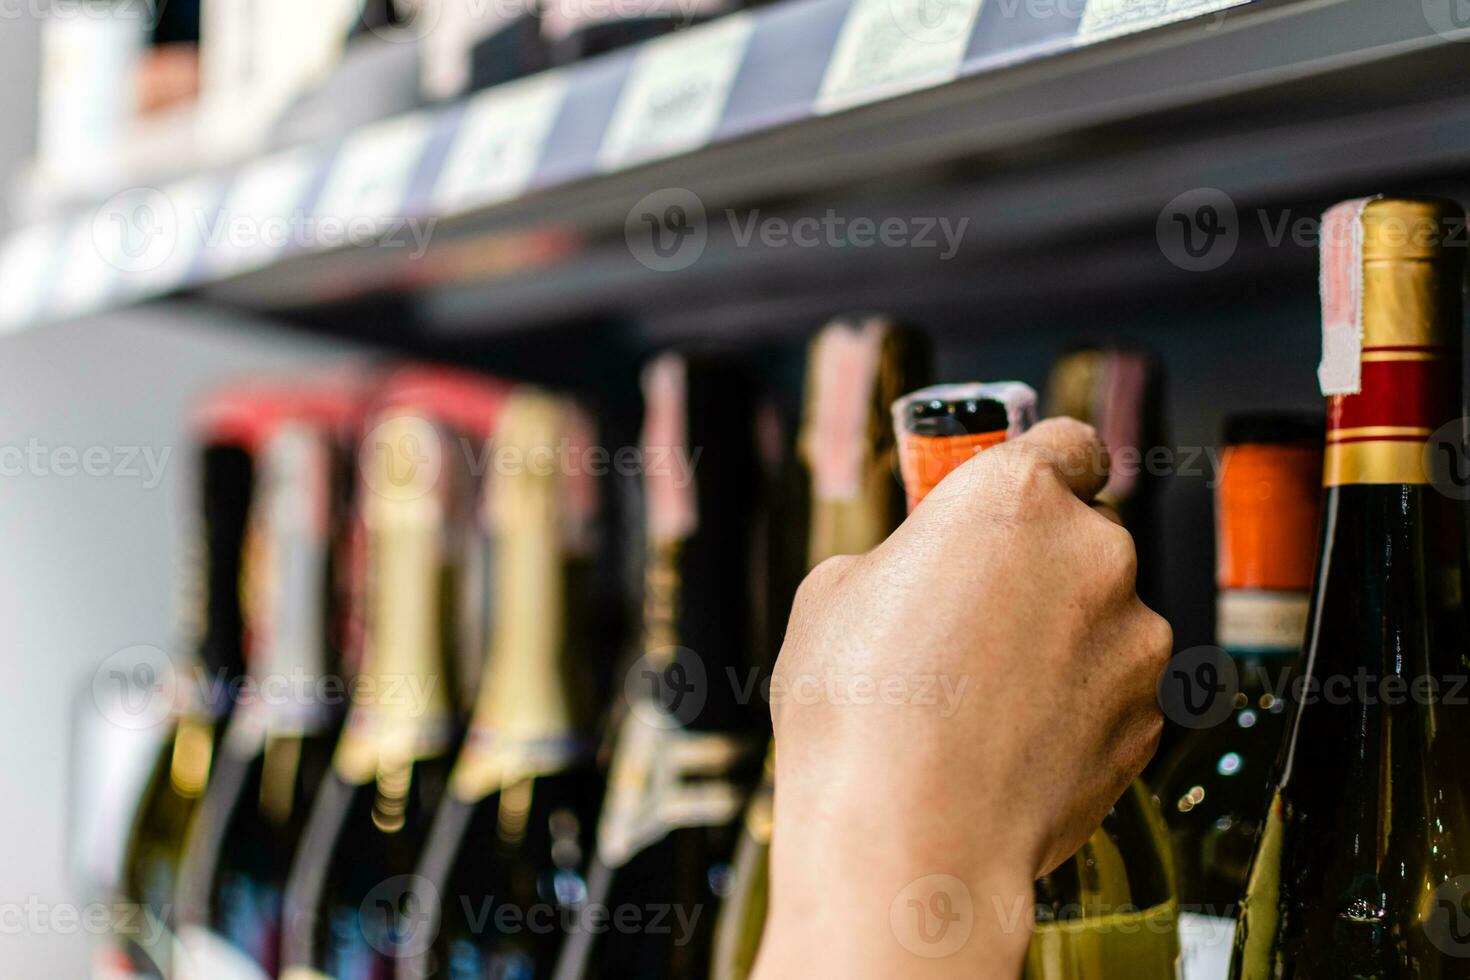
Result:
[[1374, 462], [1370, 356], [1379, 432]]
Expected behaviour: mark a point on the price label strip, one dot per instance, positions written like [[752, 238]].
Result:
[[168, 229], [890, 47], [1103, 19], [25, 267], [676, 93], [261, 218], [499, 143], [368, 187]]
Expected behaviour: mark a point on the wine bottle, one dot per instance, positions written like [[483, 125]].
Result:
[[1213, 784], [687, 749], [345, 906], [1110, 909], [279, 741], [143, 946], [856, 368], [505, 858], [1361, 863]]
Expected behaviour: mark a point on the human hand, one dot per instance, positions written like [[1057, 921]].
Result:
[[1010, 701]]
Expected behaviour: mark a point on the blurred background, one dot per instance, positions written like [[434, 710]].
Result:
[[556, 192]]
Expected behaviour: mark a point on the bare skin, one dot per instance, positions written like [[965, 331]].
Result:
[[909, 829]]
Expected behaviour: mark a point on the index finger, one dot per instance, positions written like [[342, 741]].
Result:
[[1074, 451]]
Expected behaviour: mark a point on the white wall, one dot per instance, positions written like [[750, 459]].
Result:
[[86, 563]]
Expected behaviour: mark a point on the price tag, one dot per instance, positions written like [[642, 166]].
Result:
[[369, 184], [261, 217], [89, 267], [500, 139], [889, 47], [676, 93], [164, 232], [1103, 19], [25, 268]]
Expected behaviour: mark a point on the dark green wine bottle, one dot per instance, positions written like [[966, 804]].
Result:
[[279, 741], [504, 863], [687, 747], [1362, 864], [1213, 785], [348, 908]]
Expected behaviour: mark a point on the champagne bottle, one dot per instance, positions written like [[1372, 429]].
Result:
[[279, 741], [143, 947], [687, 749], [347, 913], [856, 368], [1214, 783], [1109, 910], [1361, 863], [505, 857]]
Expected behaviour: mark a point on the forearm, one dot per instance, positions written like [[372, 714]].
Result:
[[849, 900]]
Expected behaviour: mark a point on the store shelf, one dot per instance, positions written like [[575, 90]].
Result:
[[524, 205]]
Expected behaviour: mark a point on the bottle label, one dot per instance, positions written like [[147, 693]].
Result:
[[1205, 942], [1339, 372], [488, 764], [1248, 620], [1391, 319], [664, 778]]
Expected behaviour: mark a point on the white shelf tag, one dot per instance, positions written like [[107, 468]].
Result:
[[500, 139], [25, 265], [889, 47], [166, 232], [1114, 18], [369, 183], [676, 93], [262, 216]]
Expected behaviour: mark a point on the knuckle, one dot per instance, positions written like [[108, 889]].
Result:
[[821, 579]]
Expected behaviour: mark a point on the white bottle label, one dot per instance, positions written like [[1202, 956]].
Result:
[[676, 93], [888, 47], [499, 143], [1205, 942]]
